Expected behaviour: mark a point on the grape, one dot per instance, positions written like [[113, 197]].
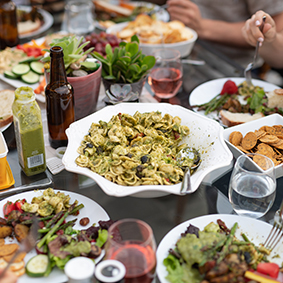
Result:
[[99, 41]]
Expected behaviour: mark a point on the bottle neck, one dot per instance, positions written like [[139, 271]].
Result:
[[57, 66]]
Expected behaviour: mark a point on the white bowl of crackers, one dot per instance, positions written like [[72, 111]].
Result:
[[263, 136], [156, 34]]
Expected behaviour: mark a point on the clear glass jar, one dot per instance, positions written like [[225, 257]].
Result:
[[28, 131]]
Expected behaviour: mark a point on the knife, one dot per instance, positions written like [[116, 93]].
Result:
[[32, 186]]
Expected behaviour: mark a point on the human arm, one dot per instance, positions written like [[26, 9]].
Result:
[[271, 40], [9, 277], [214, 30]]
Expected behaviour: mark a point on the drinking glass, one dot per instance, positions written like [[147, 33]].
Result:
[[80, 17], [131, 241], [166, 76], [252, 186]]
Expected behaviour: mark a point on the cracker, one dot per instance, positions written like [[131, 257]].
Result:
[[242, 149], [236, 138], [269, 139], [18, 258], [2, 242], [261, 162], [249, 141], [8, 249]]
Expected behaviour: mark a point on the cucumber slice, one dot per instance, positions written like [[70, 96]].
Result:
[[37, 266], [30, 78], [30, 59], [37, 67], [21, 69], [10, 75]]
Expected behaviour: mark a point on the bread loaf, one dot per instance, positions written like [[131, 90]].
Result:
[[232, 119], [6, 100], [275, 98]]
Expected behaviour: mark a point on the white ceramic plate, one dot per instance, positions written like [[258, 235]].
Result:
[[161, 14], [91, 209], [206, 135], [271, 120], [256, 230], [206, 91], [184, 47], [47, 18]]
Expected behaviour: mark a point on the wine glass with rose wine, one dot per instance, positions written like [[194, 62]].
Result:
[[131, 241], [166, 76]]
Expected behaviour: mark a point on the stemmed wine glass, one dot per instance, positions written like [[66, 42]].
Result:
[[131, 241], [252, 186], [166, 76]]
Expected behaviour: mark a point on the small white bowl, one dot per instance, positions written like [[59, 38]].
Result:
[[271, 120], [184, 47]]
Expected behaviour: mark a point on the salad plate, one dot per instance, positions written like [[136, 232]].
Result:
[[206, 91], [256, 230], [91, 209], [205, 135]]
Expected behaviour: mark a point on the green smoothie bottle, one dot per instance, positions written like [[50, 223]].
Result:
[[28, 131]]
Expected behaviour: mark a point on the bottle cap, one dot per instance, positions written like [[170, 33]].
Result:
[[110, 271]]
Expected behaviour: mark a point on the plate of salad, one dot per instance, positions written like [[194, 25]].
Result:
[[61, 227], [215, 246], [209, 98]]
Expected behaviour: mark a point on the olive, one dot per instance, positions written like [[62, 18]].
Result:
[[248, 257], [145, 159], [130, 155], [90, 145], [139, 168]]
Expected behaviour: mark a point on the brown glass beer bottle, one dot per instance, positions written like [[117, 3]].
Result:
[[8, 24], [59, 100]]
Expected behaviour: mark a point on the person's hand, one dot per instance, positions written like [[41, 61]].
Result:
[[251, 31], [186, 12], [9, 277]]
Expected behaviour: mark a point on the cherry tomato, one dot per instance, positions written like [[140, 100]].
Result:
[[8, 207], [19, 204]]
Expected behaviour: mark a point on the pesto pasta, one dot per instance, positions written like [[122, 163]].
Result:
[[246, 90], [135, 150]]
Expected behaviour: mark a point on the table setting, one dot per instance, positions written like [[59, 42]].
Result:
[[122, 169]]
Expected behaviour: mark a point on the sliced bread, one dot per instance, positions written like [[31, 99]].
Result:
[[6, 100], [111, 8], [275, 98], [232, 119], [28, 26]]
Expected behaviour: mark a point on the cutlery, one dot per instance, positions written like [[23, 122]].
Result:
[[276, 233], [193, 62], [248, 70], [157, 9], [32, 186], [185, 157]]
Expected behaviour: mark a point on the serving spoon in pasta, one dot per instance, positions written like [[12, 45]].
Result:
[[189, 158]]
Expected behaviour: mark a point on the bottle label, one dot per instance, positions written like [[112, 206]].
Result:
[[36, 160]]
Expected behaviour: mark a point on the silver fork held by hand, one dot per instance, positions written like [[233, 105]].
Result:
[[248, 70]]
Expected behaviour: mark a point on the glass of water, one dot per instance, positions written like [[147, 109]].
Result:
[[80, 19], [252, 187]]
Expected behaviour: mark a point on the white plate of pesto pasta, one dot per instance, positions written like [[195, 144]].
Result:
[[256, 231], [205, 135]]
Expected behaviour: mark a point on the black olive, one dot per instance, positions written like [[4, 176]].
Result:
[[139, 175], [145, 159], [130, 155], [90, 145], [139, 168], [248, 257], [99, 150]]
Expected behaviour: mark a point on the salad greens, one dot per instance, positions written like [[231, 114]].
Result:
[[215, 253]]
